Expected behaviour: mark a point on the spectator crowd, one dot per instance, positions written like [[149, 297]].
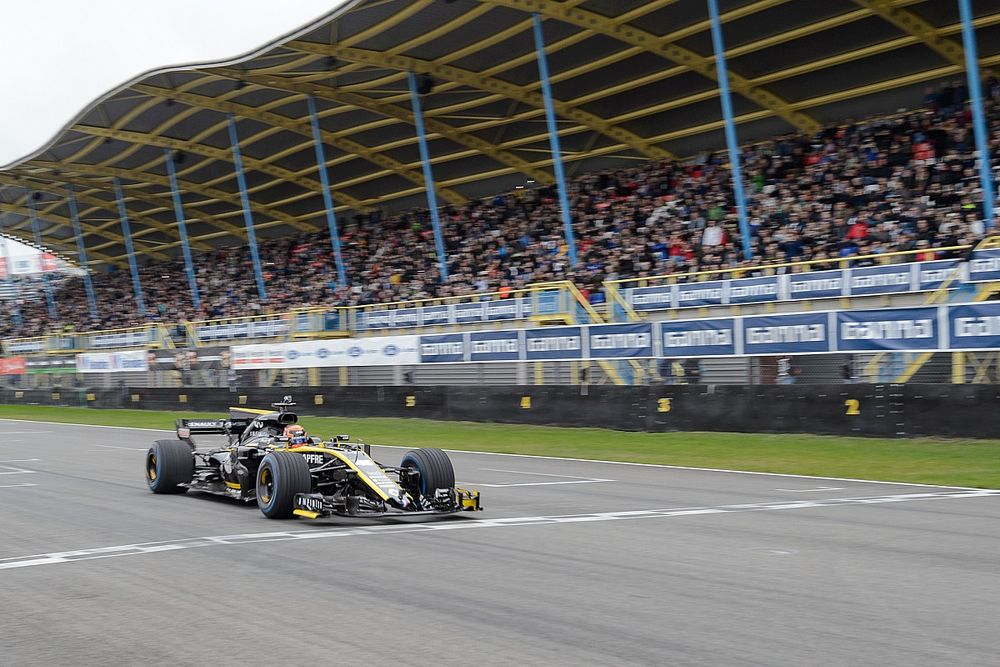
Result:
[[906, 182]]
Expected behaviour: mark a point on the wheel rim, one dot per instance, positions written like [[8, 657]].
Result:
[[265, 485], [151, 466]]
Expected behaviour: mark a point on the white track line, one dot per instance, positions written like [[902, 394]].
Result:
[[567, 479], [816, 490], [505, 486], [131, 449], [60, 557], [567, 458], [15, 486], [14, 470]]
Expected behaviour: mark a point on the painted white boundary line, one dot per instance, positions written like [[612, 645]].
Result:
[[55, 558], [567, 458], [565, 479]]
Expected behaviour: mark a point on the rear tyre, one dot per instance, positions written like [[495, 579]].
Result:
[[280, 476], [169, 463], [434, 468]]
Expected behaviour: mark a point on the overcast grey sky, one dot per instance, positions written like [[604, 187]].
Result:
[[62, 54]]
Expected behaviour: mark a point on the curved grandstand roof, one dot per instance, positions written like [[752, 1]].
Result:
[[632, 79]]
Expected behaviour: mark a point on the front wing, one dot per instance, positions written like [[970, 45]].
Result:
[[316, 506]]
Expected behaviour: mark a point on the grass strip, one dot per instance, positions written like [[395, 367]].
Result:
[[974, 463]]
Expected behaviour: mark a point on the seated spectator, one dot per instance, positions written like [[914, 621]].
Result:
[[906, 182]]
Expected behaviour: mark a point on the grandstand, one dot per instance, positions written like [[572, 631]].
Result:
[[162, 187]]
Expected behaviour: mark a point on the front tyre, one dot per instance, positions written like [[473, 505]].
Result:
[[434, 469], [280, 477], [169, 465]]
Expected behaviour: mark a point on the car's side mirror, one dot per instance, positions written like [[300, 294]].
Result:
[[345, 437]]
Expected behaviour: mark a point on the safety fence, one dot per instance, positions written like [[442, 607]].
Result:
[[563, 303], [863, 409], [864, 276], [939, 343]]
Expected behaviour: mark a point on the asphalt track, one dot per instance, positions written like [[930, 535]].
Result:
[[571, 563]]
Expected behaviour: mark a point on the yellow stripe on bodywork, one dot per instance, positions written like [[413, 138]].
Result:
[[306, 513], [233, 485], [349, 463], [251, 411]]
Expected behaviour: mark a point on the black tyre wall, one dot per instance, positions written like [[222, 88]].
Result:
[[435, 468], [290, 474], [174, 465]]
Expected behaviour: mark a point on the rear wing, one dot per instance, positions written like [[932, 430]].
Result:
[[187, 428]]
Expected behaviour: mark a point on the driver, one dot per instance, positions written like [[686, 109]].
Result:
[[296, 436]]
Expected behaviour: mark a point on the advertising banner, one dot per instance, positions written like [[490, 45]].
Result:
[[880, 280], [897, 329], [786, 334], [406, 317], [754, 290], [974, 326], [49, 365], [984, 265], [442, 348], [36, 345], [112, 362], [502, 309], [260, 329], [119, 339], [816, 284], [931, 275], [700, 294], [382, 351], [699, 338], [621, 341], [554, 343], [650, 298], [494, 346], [468, 312], [12, 365], [435, 315]]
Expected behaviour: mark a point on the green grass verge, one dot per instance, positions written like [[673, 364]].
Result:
[[931, 461]]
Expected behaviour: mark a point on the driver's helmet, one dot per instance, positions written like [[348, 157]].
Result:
[[296, 435]]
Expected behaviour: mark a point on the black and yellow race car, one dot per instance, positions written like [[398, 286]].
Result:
[[305, 477]]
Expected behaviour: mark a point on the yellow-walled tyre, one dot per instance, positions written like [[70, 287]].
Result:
[[169, 465], [280, 477]]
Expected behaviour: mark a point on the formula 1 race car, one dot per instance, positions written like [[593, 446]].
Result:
[[301, 476]]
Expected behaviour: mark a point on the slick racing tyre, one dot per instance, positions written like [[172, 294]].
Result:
[[281, 475], [434, 466], [169, 463]]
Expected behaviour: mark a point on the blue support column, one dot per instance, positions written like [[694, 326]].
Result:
[[49, 298], [234, 141], [182, 229], [736, 171], [81, 249], [425, 159], [127, 236], [324, 179], [9, 279], [550, 118], [978, 116]]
